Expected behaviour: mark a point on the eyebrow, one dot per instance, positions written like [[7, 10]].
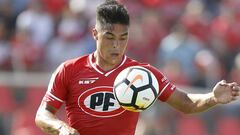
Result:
[[109, 33]]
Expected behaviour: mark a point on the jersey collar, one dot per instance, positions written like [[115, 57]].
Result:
[[99, 70]]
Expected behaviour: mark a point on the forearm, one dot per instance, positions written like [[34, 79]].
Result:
[[48, 122], [201, 102], [191, 103], [222, 93]]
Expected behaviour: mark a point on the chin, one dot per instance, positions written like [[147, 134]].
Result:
[[115, 61]]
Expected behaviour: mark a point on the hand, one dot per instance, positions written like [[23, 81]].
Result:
[[226, 92], [67, 130]]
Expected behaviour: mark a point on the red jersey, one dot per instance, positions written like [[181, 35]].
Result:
[[87, 91]]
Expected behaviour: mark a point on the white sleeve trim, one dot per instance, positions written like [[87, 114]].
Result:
[[164, 89], [58, 99]]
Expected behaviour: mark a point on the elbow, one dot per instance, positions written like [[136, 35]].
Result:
[[188, 109], [188, 112], [38, 121]]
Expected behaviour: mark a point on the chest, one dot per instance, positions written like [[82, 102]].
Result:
[[93, 94]]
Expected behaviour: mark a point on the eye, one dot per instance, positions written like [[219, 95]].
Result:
[[109, 37], [123, 38]]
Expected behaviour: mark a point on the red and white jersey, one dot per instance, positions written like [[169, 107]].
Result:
[[87, 91]]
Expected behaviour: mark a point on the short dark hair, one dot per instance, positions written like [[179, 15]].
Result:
[[112, 12]]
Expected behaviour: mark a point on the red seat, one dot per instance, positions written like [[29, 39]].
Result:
[[33, 100], [228, 126], [24, 117], [34, 97], [190, 126], [24, 123], [7, 100]]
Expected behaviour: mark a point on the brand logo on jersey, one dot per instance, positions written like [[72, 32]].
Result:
[[87, 80], [100, 102], [164, 79], [173, 87]]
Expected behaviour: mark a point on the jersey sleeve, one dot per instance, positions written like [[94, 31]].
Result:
[[166, 88], [57, 91]]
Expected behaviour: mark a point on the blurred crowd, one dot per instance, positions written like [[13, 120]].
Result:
[[193, 42]]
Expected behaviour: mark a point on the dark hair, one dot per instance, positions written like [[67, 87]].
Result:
[[112, 12]]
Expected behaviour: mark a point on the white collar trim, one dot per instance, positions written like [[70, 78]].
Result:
[[109, 72], [91, 63]]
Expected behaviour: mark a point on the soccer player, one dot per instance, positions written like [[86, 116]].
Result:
[[85, 85]]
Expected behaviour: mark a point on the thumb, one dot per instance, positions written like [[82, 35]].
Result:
[[223, 82]]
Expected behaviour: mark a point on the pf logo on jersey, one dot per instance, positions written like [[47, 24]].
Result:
[[100, 102]]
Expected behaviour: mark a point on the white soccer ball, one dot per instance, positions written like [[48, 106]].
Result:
[[136, 88]]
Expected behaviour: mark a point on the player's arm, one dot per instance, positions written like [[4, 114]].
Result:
[[188, 103], [47, 121]]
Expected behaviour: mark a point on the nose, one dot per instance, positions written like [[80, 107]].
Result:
[[116, 43]]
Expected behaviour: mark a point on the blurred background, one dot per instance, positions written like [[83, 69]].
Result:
[[195, 43]]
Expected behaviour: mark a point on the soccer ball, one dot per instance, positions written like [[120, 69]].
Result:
[[136, 88]]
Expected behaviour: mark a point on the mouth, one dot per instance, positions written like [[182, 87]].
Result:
[[115, 54]]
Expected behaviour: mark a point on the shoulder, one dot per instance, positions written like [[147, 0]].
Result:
[[72, 65], [133, 62], [150, 67], [75, 62]]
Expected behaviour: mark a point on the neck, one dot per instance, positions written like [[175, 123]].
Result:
[[104, 65]]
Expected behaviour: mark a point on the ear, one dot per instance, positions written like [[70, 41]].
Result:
[[95, 33]]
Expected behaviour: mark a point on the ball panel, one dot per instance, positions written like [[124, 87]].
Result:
[[145, 98], [138, 77], [122, 93], [122, 76]]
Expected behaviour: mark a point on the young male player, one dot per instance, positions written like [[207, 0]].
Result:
[[85, 85]]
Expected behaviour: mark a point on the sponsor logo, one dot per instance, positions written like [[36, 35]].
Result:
[[87, 80], [100, 102]]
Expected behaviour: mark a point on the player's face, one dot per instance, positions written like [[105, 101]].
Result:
[[111, 43]]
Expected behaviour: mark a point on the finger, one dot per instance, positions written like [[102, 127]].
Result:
[[233, 84], [234, 98], [223, 83], [236, 88], [235, 93]]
